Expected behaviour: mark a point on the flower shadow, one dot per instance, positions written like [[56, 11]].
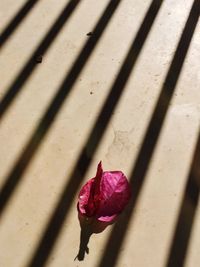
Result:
[[88, 227]]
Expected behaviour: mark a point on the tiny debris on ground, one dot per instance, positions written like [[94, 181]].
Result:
[[38, 59], [89, 34]]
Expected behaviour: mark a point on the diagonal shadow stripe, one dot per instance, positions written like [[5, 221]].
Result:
[[15, 176], [187, 214], [16, 21], [51, 233], [15, 88], [112, 249]]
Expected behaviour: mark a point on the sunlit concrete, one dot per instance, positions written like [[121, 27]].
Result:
[[27, 212]]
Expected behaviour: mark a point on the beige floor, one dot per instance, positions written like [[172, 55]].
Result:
[[58, 119]]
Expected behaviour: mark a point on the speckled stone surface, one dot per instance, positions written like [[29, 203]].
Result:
[[119, 81]]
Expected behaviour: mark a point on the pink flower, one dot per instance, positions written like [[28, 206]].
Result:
[[105, 196]]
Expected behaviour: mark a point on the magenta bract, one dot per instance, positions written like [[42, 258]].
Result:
[[104, 196]]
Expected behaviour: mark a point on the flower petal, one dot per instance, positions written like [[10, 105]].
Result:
[[115, 194], [105, 196]]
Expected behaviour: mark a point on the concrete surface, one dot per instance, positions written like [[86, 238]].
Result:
[[149, 129]]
